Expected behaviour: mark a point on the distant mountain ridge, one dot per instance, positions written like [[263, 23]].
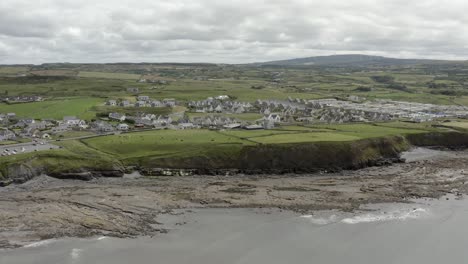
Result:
[[347, 60]]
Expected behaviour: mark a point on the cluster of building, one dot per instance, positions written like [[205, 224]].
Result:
[[22, 99], [142, 119], [152, 80], [286, 108], [143, 101], [216, 113], [217, 121], [353, 109], [332, 110], [14, 128], [213, 121], [220, 104]]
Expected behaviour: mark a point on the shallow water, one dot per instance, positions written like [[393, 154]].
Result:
[[420, 154], [425, 232]]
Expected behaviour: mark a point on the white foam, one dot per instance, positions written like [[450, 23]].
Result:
[[307, 216], [101, 238], [75, 253], [40, 243], [321, 220], [392, 216]]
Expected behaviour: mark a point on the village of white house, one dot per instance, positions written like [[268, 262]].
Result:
[[219, 112]]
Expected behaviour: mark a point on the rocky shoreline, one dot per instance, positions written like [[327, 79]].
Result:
[[19, 176], [129, 206]]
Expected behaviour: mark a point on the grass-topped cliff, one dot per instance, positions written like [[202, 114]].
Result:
[[294, 148]]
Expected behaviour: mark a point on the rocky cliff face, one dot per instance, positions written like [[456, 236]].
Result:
[[20, 173], [323, 155], [26, 170], [292, 158], [452, 140]]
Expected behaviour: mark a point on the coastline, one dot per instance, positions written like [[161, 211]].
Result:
[[211, 235], [263, 159], [49, 208]]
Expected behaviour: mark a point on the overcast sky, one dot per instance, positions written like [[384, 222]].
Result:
[[229, 31]]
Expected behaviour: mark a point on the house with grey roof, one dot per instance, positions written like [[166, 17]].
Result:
[[6, 135], [140, 104], [125, 103], [156, 103], [123, 127], [117, 116], [102, 127], [144, 98], [169, 102], [133, 90]]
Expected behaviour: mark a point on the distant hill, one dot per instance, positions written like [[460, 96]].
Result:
[[347, 60]]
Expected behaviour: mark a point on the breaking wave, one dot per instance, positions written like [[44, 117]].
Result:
[[391, 216], [40, 243], [321, 220], [369, 218]]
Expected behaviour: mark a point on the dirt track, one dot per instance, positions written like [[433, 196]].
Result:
[[50, 208]]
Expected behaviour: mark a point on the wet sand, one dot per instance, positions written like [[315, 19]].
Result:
[[48, 208]]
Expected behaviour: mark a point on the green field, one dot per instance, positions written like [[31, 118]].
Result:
[[244, 134], [57, 109], [457, 124], [370, 130], [74, 156], [3, 143], [187, 143], [10, 70], [132, 110], [109, 75], [112, 80], [316, 133], [165, 143], [73, 134], [304, 137]]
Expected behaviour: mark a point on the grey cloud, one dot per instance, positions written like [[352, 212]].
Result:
[[228, 31]]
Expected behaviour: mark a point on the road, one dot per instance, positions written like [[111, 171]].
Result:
[[42, 144], [21, 148]]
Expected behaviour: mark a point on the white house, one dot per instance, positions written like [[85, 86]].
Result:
[[169, 102], [133, 90], [123, 127], [140, 104], [60, 129], [157, 103], [275, 118], [125, 103], [72, 121], [222, 97], [117, 116], [232, 126], [144, 98], [186, 126]]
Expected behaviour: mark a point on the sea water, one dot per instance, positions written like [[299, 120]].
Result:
[[422, 232]]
